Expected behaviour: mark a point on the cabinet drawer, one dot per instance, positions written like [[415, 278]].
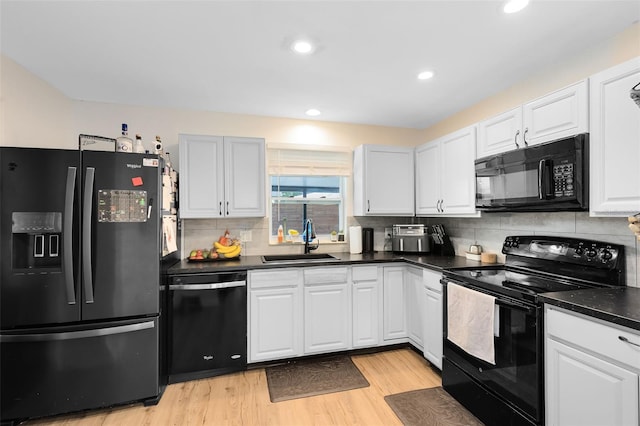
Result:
[[432, 280], [594, 336], [364, 273], [275, 278], [326, 275]]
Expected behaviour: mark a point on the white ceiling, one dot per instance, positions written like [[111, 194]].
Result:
[[233, 56]]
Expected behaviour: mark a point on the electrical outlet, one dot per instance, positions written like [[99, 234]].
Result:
[[245, 236]]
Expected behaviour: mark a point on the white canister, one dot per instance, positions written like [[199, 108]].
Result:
[[355, 239]]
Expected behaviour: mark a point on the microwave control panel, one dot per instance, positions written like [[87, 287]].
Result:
[[563, 180]]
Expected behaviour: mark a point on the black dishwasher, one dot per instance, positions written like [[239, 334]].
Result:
[[207, 324]]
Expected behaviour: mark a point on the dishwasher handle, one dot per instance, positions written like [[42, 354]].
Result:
[[207, 286]]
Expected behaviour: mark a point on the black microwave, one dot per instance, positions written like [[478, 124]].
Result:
[[553, 176]]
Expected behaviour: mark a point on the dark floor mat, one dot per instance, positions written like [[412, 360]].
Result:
[[300, 379], [432, 407]]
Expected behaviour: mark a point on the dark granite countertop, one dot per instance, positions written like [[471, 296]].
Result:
[[245, 263], [617, 305], [620, 305]]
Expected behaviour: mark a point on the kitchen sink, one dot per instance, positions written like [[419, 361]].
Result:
[[298, 258]]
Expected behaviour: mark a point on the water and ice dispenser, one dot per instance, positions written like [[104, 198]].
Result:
[[36, 240]]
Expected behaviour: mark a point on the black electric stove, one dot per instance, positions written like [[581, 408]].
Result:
[[511, 391], [538, 264]]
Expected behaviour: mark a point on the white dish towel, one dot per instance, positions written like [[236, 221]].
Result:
[[470, 319]]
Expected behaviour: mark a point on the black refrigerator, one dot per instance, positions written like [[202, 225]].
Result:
[[79, 280]]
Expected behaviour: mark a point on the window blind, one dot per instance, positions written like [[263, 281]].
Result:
[[308, 161]]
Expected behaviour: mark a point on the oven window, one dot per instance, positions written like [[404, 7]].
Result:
[[518, 360]]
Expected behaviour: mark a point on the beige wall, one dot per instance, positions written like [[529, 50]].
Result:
[[32, 113], [105, 119], [618, 49]]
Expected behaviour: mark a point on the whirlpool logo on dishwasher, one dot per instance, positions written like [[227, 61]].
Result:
[[134, 166]]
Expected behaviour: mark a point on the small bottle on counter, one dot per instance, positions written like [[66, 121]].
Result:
[[124, 142], [280, 234]]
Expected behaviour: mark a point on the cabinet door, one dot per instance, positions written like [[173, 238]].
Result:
[[365, 314], [394, 301], [584, 390], [458, 179], [432, 297], [500, 133], [559, 114], [433, 327], [201, 176], [244, 177], [275, 329], [614, 147], [428, 178], [389, 181], [327, 318], [415, 307]]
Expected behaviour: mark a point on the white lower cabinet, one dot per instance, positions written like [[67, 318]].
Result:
[[367, 305], [591, 373], [432, 302], [327, 309], [394, 320], [415, 307], [321, 309], [275, 314]]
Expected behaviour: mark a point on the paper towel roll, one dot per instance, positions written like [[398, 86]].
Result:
[[355, 239]]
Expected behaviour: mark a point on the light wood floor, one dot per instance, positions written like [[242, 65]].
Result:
[[243, 399]]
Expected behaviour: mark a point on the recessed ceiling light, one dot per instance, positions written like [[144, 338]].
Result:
[[312, 112], [513, 6], [425, 75], [302, 47]]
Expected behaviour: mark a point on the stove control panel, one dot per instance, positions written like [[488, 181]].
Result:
[[568, 250]]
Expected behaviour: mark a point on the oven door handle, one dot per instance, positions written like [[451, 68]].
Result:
[[528, 309]]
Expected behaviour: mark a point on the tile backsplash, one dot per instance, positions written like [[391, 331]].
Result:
[[489, 231]]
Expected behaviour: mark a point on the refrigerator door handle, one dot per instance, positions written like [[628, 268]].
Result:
[[68, 236], [71, 335], [87, 211]]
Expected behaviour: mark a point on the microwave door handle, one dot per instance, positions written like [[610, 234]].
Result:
[[543, 179]]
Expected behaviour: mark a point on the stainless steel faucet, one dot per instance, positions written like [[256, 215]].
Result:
[[309, 234]]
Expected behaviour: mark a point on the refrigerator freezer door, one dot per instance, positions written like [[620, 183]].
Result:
[[121, 235], [58, 370], [38, 237]]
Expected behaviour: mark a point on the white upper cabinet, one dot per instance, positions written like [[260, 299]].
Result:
[[500, 133], [383, 181], [614, 141], [559, 114], [445, 175], [221, 177]]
